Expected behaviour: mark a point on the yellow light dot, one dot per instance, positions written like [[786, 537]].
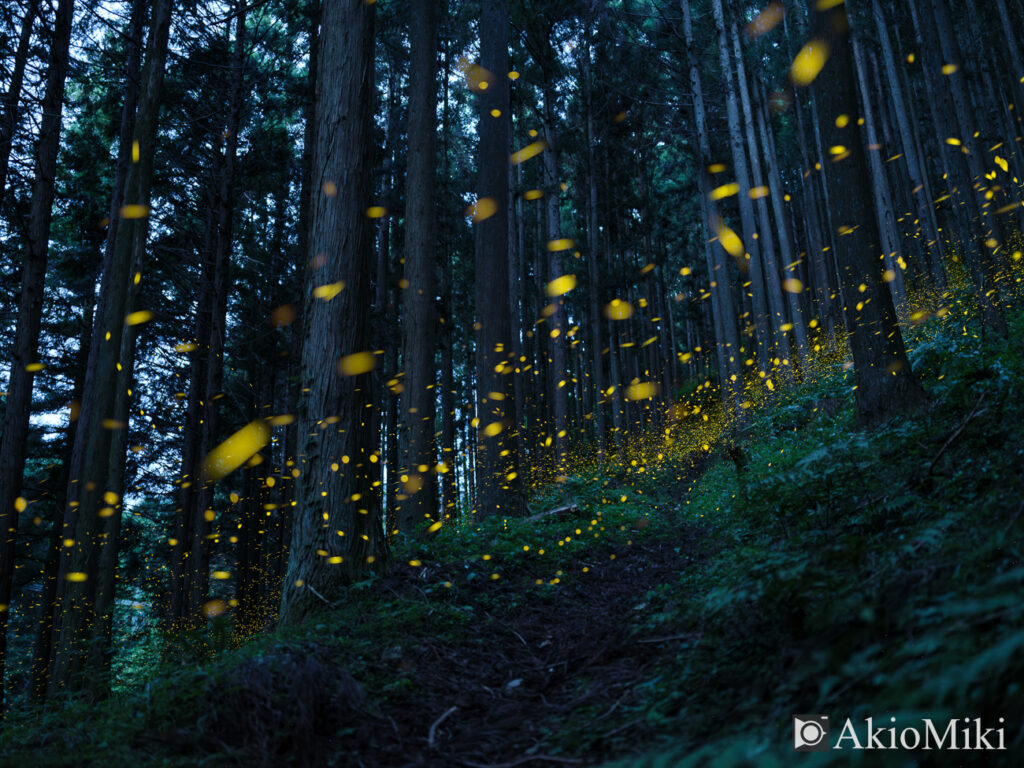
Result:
[[530, 150], [137, 318], [809, 62], [561, 285], [356, 364]]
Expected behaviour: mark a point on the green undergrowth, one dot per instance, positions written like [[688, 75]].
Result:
[[859, 573], [850, 572]]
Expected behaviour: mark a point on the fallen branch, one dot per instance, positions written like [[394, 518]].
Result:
[[665, 639], [327, 602], [568, 509], [433, 726], [956, 433], [524, 759], [623, 727]]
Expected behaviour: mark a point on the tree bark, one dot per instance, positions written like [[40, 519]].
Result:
[[914, 162], [727, 340], [43, 647], [12, 99], [197, 571], [884, 213], [338, 533], [495, 473], [766, 241], [74, 620], [949, 114], [559, 376], [761, 320], [886, 386], [786, 249], [419, 318], [24, 353]]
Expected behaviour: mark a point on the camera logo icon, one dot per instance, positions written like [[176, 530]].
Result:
[[810, 733]]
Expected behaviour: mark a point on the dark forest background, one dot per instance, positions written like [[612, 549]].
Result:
[[304, 301]]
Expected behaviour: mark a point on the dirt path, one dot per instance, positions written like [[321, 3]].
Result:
[[493, 697]]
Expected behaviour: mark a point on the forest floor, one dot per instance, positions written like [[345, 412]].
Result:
[[692, 598], [497, 692]]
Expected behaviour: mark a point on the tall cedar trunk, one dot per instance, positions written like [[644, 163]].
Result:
[[449, 485], [766, 240], [197, 565], [43, 646], [24, 353], [884, 213], [338, 509], [1010, 35], [133, 71], [946, 109], [191, 449], [385, 299], [559, 375], [517, 301], [999, 116], [727, 340], [914, 161], [101, 649], [760, 321], [593, 270], [12, 99], [110, 532], [74, 618], [818, 240], [886, 386], [495, 473], [273, 552], [985, 267], [909, 230], [786, 249], [312, 10], [419, 313], [449, 490], [249, 617]]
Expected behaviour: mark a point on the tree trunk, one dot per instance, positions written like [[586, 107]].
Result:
[[727, 340], [43, 647], [886, 386], [559, 376], [593, 297], [914, 162], [766, 241], [83, 524], [12, 99], [949, 108], [884, 213], [197, 570], [761, 319], [24, 354], [786, 249], [338, 534], [419, 316], [496, 473]]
